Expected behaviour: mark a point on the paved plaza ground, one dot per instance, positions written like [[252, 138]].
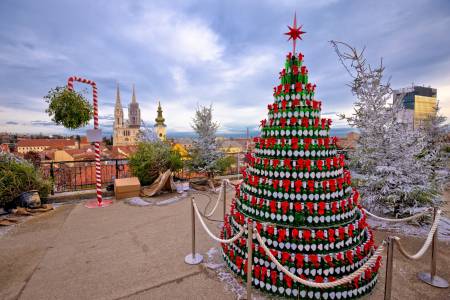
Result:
[[128, 252]]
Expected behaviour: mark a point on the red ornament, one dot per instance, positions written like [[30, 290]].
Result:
[[286, 184], [329, 260], [320, 234], [257, 271], [263, 273], [273, 206], [331, 237], [321, 209], [288, 281], [307, 235], [285, 256], [295, 233], [273, 276], [281, 235], [314, 260], [284, 206], [298, 186], [294, 143], [299, 260]]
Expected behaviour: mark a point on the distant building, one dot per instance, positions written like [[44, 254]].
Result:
[[181, 150], [4, 148], [232, 146], [348, 142], [418, 102], [38, 145], [125, 133], [160, 127]]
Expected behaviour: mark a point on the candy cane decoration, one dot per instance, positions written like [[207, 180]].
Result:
[[98, 171]]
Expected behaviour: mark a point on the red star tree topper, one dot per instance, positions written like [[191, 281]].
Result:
[[295, 33]]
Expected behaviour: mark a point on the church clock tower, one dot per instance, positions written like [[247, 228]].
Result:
[[160, 127]]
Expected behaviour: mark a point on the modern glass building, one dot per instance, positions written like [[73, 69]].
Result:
[[419, 103]]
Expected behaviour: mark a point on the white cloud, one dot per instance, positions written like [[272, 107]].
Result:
[[172, 34]]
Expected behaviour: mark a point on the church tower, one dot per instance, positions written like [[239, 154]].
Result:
[[134, 113], [126, 133], [160, 127], [118, 118]]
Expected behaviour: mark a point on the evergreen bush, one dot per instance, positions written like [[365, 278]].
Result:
[[18, 176], [153, 158]]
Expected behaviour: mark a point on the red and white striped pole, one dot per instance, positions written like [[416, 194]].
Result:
[[98, 170]]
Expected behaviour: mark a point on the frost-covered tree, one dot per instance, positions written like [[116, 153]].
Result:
[[205, 151], [435, 131], [146, 133], [397, 165]]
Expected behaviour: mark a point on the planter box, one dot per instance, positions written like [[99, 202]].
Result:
[[127, 187]]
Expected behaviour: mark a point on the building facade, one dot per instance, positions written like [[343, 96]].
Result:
[[418, 102], [160, 126], [126, 132]]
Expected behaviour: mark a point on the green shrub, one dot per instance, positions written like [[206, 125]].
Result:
[[152, 158], [18, 176], [223, 164], [68, 108]]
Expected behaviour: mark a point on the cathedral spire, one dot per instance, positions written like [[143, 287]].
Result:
[[133, 98], [118, 104]]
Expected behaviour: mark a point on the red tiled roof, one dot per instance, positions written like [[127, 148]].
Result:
[[50, 143], [122, 151]]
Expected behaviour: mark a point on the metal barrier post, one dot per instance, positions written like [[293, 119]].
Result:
[[249, 257], [117, 169], [431, 278], [389, 267], [52, 176], [224, 198], [224, 193], [193, 258]]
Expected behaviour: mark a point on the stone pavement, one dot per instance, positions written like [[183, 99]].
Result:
[[126, 252]]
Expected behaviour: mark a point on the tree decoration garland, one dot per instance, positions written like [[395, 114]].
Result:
[[68, 108], [298, 194]]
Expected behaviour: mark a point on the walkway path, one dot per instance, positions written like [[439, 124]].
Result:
[[125, 252]]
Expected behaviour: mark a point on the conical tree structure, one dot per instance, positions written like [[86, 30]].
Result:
[[298, 195]]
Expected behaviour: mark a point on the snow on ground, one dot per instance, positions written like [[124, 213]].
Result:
[[413, 230], [215, 262]]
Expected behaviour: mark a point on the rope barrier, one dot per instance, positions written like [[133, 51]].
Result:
[[371, 261], [425, 246], [223, 186], [228, 241], [399, 220]]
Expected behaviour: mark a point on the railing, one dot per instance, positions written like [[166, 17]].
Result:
[[68, 176]]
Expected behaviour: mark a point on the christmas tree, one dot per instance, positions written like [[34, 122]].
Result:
[[298, 195]]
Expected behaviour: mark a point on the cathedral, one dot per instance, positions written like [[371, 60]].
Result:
[[126, 132]]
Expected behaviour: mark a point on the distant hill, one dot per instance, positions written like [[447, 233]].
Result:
[[340, 132]]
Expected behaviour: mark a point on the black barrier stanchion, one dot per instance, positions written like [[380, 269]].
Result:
[[431, 278], [193, 258]]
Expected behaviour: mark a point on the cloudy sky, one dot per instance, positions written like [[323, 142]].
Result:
[[228, 53]]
